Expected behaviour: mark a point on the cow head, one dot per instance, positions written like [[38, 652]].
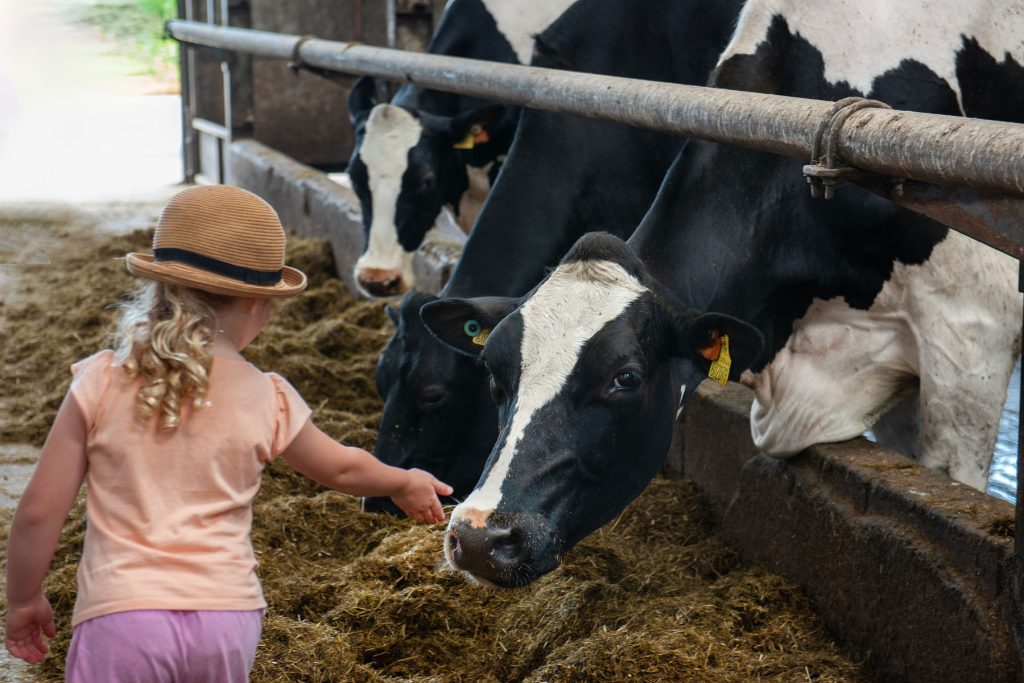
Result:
[[581, 376], [405, 166], [438, 414]]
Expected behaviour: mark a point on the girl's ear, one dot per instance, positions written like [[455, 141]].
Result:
[[464, 324], [722, 346], [257, 305]]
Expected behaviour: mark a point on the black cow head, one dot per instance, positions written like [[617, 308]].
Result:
[[406, 165], [438, 414], [581, 374]]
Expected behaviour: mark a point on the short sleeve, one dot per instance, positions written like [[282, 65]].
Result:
[[291, 414], [90, 379]]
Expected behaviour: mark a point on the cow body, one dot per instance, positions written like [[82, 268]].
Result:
[[429, 152], [857, 302], [563, 177]]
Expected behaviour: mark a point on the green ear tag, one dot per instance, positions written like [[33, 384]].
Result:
[[479, 334]]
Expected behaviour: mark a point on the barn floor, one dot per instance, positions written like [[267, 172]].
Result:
[[656, 596]]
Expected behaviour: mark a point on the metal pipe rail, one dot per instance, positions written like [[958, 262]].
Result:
[[945, 150]]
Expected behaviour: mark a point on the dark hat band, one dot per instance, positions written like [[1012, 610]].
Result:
[[248, 275]]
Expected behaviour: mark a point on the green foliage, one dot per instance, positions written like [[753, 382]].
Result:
[[137, 29], [165, 9]]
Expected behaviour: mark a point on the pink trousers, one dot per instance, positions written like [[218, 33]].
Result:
[[164, 646]]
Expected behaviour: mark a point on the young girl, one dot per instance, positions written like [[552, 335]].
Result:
[[171, 431]]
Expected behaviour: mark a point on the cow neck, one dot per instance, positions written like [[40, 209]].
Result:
[[557, 182], [509, 249]]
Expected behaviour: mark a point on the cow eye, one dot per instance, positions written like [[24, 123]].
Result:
[[432, 398], [627, 380], [427, 182]]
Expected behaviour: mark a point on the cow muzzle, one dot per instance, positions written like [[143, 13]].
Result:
[[379, 282], [506, 551]]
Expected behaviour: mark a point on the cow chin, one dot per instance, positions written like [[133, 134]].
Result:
[[499, 550]]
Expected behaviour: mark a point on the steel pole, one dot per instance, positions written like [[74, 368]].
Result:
[[947, 150]]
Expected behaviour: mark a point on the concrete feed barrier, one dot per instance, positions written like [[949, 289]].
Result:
[[911, 569]]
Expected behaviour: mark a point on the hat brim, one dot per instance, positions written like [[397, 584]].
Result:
[[292, 281]]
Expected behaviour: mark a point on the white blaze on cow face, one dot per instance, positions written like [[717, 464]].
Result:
[[928, 31], [519, 21], [566, 311], [390, 133]]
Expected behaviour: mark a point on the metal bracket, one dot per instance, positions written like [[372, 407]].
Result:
[[825, 168], [296, 63]]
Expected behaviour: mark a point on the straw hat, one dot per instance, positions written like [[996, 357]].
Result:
[[220, 239]]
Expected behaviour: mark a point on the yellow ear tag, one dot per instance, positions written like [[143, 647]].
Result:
[[719, 370], [477, 136], [477, 332], [465, 143]]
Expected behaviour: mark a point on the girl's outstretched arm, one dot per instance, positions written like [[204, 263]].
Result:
[[357, 472], [36, 528]]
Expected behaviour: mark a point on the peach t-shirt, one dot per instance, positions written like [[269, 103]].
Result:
[[169, 511]]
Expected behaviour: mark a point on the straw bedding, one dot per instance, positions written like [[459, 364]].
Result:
[[655, 596]]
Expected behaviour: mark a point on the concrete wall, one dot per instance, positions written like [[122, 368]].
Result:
[[301, 114]]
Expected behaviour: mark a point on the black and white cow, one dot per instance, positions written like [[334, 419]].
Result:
[[856, 300], [427, 157], [564, 176]]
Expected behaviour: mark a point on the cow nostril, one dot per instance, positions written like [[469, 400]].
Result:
[[507, 546]]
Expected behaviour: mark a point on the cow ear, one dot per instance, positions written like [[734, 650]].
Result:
[[722, 346], [465, 324], [393, 314], [476, 127], [361, 99]]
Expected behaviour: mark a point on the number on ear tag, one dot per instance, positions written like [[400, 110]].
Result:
[[478, 332], [719, 370]]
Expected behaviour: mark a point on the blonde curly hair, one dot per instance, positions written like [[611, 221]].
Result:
[[163, 337]]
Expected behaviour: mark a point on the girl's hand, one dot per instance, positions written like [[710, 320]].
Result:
[[418, 497], [26, 625]]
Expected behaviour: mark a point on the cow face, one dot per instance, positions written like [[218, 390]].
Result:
[[438, 414], [581, 375], [405, 166]]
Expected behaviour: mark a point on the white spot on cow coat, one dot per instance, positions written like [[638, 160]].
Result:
[[572, 305], [520, 20], [953, 321], [390, 133], [862, 39], [473, 198]]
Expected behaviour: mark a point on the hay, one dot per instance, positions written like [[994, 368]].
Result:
[[655, 596]]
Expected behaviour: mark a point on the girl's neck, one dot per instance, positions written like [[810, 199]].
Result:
[[223, 347]]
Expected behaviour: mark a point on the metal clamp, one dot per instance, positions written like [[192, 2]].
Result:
[[825, 168], [296, 63]]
